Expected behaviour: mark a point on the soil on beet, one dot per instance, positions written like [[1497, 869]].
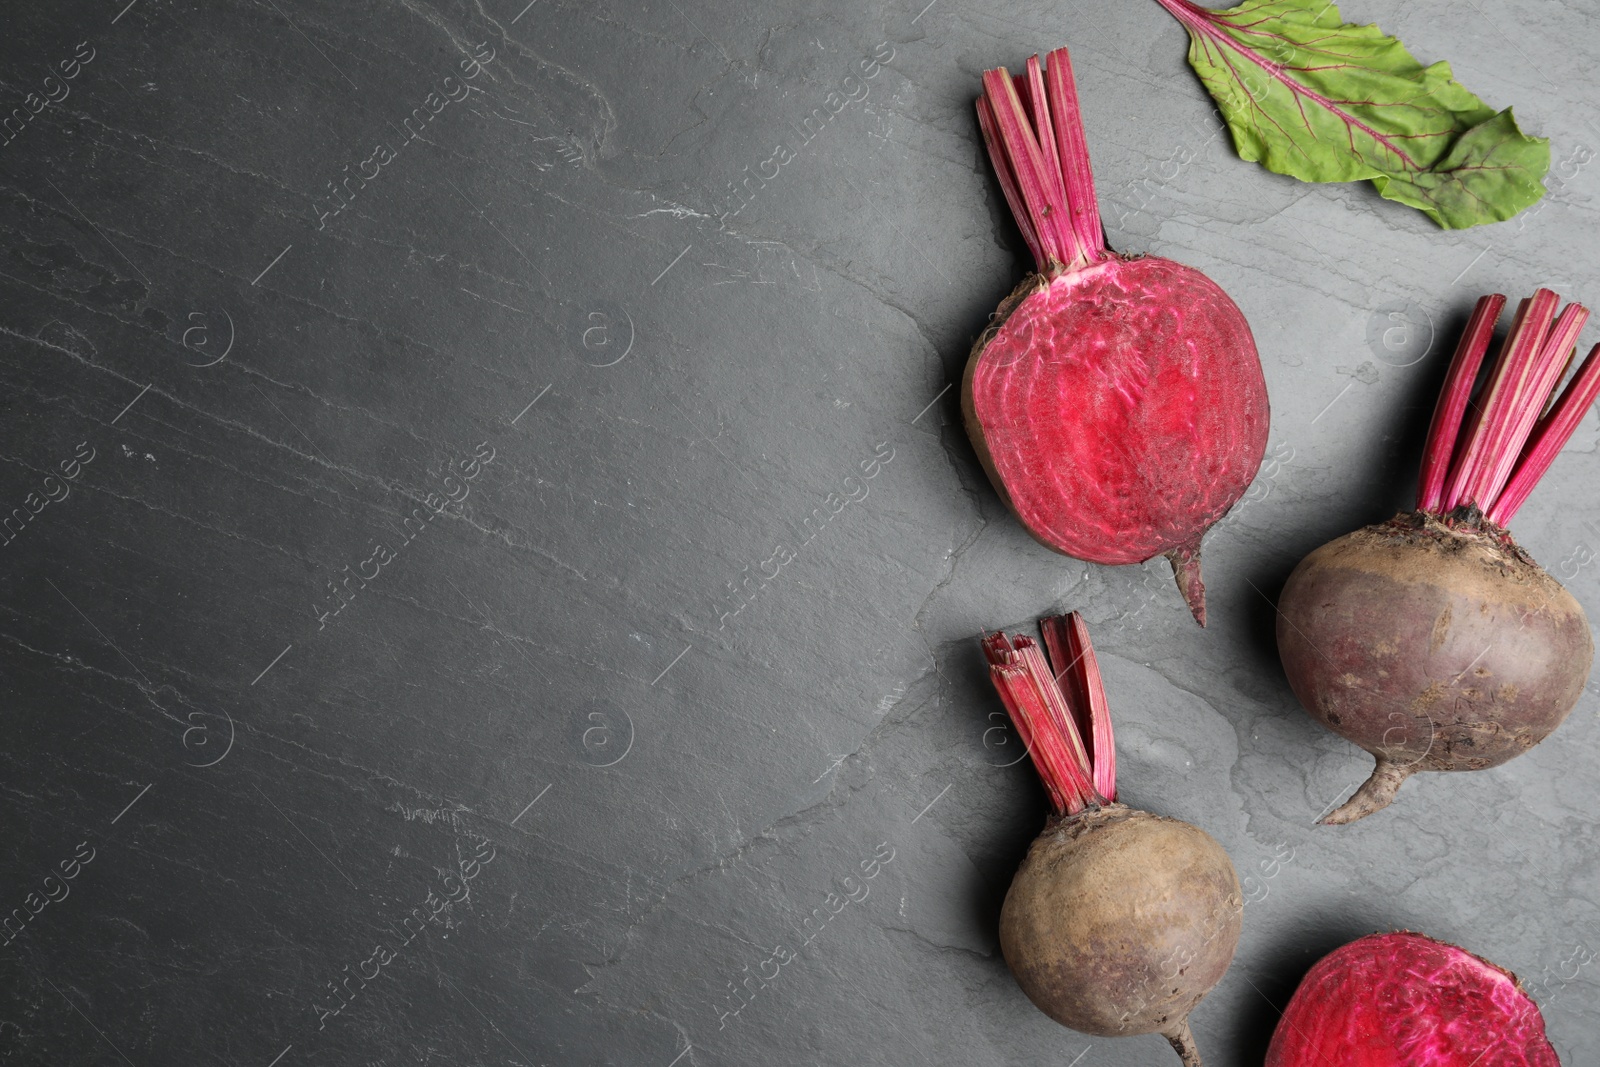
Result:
[[1119, 921], [1119, 410], [1432, 646]]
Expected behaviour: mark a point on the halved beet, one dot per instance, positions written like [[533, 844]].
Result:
[[1406, 1000], [1117, 402]]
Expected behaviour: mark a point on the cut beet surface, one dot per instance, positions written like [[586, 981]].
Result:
[[1406, 1000], [1117, 402]]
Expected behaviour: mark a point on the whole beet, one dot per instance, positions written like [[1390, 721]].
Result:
[[1433, 640], [1118, 922], [1479, 655]]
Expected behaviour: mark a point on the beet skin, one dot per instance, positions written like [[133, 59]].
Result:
[[1120, 921], [1434, 647]]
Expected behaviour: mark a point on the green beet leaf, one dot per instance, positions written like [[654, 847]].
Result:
[[1308, 95]]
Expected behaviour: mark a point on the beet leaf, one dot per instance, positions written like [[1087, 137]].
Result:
[[1311, 96]]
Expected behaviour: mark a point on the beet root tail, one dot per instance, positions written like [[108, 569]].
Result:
[[1183, 1042], [1186, 569], [1374, 795]]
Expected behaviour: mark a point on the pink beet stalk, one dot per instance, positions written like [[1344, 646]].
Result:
[[1506, 391], [1453, 401], [1066, 639], [1491, 456], [1054, 708], [1549, 437], [1082, 203]]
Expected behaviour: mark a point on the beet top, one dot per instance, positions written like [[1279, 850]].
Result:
[[1405, 1000], [1118, 921], [1117, 402], [1433, 640]]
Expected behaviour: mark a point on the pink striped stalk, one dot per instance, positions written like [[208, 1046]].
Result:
[[1507, 385], [1549, 437], [1073, 150], [1056, 703], [1025, 686], [1489, 454], [1042, 162], [1008, 180], [1453, 398], [1066, 641], [1531, 403], [1026, 159]]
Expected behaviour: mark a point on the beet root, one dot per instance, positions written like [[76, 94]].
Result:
[[1119, 410], [1116, 402], [1406, 1000], [1119, 922], [1434, 647], [1433, 640]]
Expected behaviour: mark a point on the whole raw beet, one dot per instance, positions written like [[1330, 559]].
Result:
[[1433, 647], [1433, 640], [1120, 921]]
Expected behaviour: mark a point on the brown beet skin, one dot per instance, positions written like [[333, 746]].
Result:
[[1119, 922], [1433, 647]]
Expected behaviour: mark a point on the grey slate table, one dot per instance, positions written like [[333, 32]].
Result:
[[503, 564]]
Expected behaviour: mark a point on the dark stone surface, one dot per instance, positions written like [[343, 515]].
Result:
[[557, 671]]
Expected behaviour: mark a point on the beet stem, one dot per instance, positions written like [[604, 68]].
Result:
[[1021, 146], [1508, 385], [1186, 571], [1033, 129], [1374, 795], [1038, 107], [1008, 180], [1077, 671], [1058, 703], [1446, 427], [1025, 686], [1077, 177], [1054, 718], [1525, 408], [1182, 1040], [1549, 436]]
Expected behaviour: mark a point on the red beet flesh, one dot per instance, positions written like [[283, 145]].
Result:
[[1405, 1000], [1116, 402], [1433, 640], [1110, 409], [1118, 922]]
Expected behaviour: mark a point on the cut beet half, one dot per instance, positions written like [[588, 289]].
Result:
[[1406, 1000], [1117, 402]]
